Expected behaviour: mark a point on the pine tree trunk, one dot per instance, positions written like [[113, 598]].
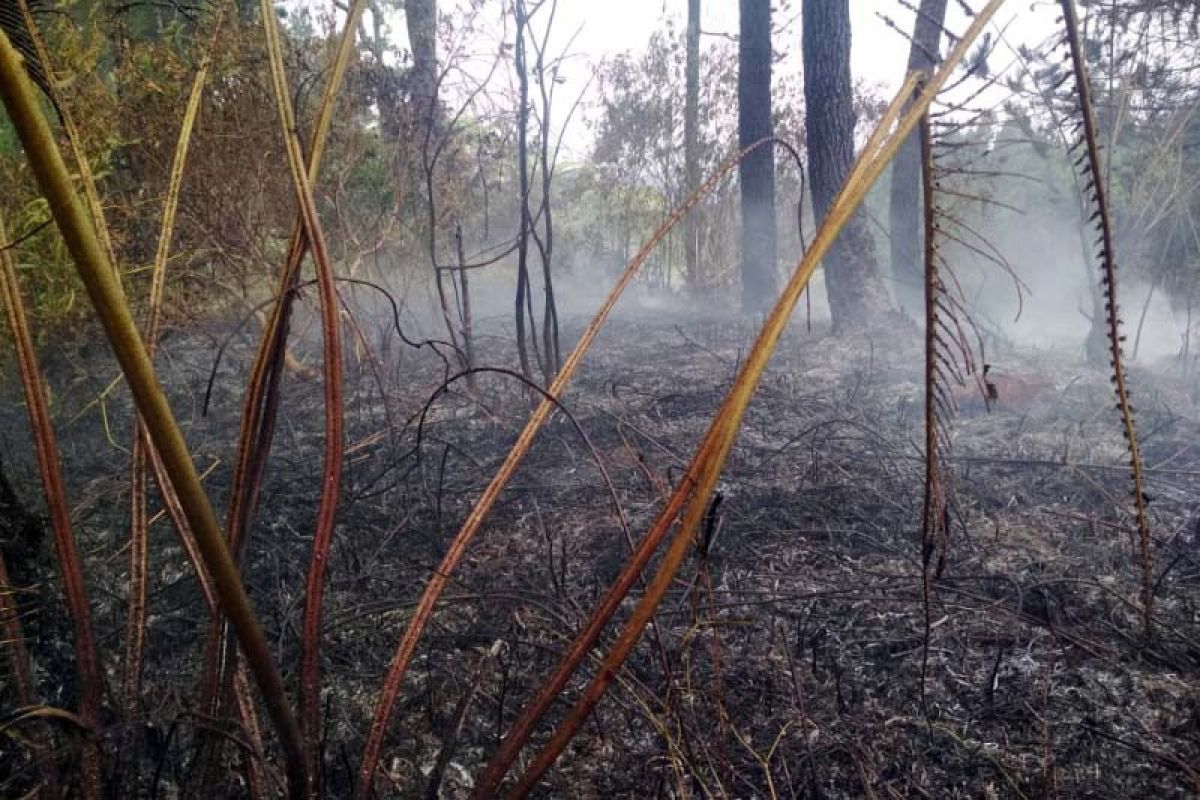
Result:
[[757, 171], [691, 141], [421, 17], [856, 294]]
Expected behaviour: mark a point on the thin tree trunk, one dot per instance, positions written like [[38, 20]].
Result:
[[1137, 339], [550, 333], [904, 224], [468, 335], [523, 180], [757, 171], [691, 142], [421, 18], [856, 294]]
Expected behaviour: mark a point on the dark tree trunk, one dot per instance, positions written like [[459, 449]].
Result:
[[550, 330], [384, 78], [757, 171], [856, 295], [691, 141], [421, 17], [523, 301], [904, 224]]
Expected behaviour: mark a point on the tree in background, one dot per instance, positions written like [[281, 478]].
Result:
[[904, 217], [636, 162], [691, 135], [856, 295], [757, 171], [421, 18]]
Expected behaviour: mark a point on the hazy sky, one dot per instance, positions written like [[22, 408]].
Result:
[[878, 52], [599, 29], [617, 25]]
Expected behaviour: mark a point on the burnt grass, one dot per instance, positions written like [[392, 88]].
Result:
[[795, 646]]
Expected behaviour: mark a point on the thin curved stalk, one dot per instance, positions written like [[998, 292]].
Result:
[[139, 512], [50, 469], [253, 413], [523, 728], [98, 277], [310, 686], [706, 466], [10, 619], [142, 452], [470, 527], [261, 398]]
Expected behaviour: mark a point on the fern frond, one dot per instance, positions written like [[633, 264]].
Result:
[[1096, 194], [940, 363], [953, 347]]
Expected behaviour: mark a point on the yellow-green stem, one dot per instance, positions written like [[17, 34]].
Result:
[[97, 275]]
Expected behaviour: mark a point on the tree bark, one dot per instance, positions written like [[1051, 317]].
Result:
[[421, 18], [757, 171], [856, 295], [904, 224], [384, 81], [523, 301], [691, 142]]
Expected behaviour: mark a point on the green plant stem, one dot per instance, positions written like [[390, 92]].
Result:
[[98, 277]]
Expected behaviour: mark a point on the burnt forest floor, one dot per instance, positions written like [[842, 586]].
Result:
[[796, 659]]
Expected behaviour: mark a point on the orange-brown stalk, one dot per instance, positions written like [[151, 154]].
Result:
[[259, 404], [454, 554], [933, 508], [10, 620], [310, 687], [97, 273], [523, 728], [139, 529], [706, 466], [50, 469]]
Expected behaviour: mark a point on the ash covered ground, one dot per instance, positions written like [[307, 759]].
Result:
[[795, 647]]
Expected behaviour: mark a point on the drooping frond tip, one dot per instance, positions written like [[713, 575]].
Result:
[[13, 23]]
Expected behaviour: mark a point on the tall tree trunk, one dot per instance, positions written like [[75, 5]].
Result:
[[383, 77], [550, 330], [904, 224], [856, 295], [757, 171], [421, 17], [691, 142], [523, 301]]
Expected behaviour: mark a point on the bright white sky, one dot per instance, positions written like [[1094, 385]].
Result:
[[878, 53], [614, 26]]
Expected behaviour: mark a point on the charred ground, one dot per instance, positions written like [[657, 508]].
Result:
[[795, 644]]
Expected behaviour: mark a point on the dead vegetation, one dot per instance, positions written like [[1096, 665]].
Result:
[[794, 641], [730, 527]]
